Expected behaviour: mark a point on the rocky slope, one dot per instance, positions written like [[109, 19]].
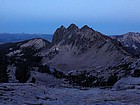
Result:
[[131, 41], [18, 94], [21, 57]]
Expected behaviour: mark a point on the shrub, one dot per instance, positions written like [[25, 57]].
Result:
[[81, 80], [22, 72], [3, 68], [136, 73], [112, 80]]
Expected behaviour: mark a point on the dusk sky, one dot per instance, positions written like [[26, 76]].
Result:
[[110, 17]]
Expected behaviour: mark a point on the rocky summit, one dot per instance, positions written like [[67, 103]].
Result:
[[77, 58], [84, 47]]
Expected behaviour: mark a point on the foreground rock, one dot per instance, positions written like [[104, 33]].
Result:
[[30, 94], [127, 83], [19, 94]]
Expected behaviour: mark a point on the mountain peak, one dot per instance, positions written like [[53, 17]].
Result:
[[85, 27], [72, 27], [58, 35], [62, 27]]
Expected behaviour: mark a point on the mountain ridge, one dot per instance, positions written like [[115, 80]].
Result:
[[17, 37], [73, 52]]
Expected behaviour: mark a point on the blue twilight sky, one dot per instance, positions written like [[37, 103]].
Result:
[[44, 16]]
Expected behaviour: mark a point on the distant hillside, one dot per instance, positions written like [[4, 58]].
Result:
[[131, 41], [7, 37]]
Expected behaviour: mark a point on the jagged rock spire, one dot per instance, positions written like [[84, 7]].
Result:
[[72, 27], [85, 27], [58, 35], [62, 27]]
